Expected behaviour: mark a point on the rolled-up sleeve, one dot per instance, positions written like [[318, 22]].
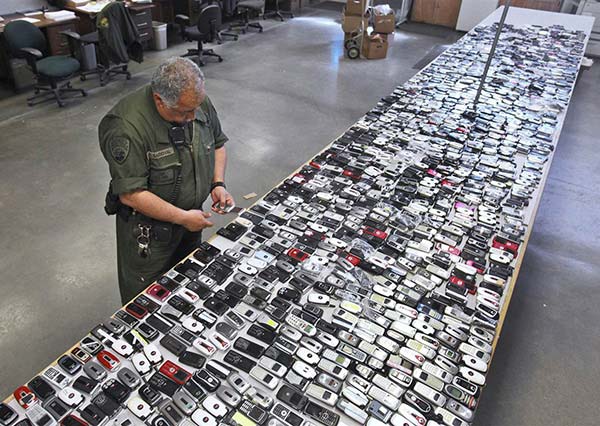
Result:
[[125, 154], [220, 136]]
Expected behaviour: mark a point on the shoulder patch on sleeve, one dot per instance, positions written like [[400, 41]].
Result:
[[119, 149]]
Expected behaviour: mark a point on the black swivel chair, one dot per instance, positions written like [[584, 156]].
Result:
[[107, 66], [247, 7], [277, 12], [25, 40], [206, 30]]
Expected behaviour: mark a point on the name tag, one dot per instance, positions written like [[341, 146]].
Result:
[[160, 154]]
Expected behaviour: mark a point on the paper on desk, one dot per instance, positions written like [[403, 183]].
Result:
[[93, 8], [30, 20], [61, 15]]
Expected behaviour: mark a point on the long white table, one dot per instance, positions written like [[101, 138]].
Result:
[[517, 17]]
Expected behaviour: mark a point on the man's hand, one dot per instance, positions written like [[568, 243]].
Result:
[[221, 199], [195, 220]]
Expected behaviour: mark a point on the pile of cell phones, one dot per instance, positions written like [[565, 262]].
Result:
[[366, 288]]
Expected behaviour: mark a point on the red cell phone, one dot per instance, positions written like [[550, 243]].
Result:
[[352, 259], [505, 244], [158, 292], [175, 372], [369, 230], [108, 360], [136, 310], [297, 254]]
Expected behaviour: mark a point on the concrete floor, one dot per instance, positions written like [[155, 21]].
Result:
[[282, 95]]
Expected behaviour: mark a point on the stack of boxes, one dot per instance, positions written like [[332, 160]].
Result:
[[355, 23]]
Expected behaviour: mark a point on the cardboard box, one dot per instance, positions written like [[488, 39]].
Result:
[[384, 24], [352, 23], [355, 7], [436, 12], [375, 46]]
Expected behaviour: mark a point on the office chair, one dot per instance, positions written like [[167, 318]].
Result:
[[205, 30], [245, 8], [226, 11], [25, 40], [109, 63], [277, 12]]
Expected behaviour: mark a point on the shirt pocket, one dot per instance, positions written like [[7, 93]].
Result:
[[163, 180]]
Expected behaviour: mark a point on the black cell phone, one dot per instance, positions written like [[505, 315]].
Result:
[[246, 346], [292, 397], [116, 390], [93, 415], [279, 356], [215, 305], [206, 252], [173, 345], [150, 395], [281, 303], [238, 360], [286, 415], [106, 403], [56, 408], [182, 334], [233, 231], [69, 365], [260, 293], [163, 384], [262, 334], [85, 384], [255, 302], [168, 283], [206, 380], [194, 390], [192, 359], [205, 317], [147, 303], [41, 388], [313, 310], [277, 314], [126, 318], [202, 290], [321, 414], [227, 298], [237, 290], [160, 323], [149, 333], [181, 305]]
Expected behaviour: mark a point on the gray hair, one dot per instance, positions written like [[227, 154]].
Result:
[[173, 77]]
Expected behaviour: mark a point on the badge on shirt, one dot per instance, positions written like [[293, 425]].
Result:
[[155, 155], [119, 149]]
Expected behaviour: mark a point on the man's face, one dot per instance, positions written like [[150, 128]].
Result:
[[185, 109]]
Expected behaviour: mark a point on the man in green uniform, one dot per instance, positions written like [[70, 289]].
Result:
[[166, 153]]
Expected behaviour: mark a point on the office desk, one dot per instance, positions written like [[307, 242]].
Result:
[[57, 44], [141, 14]]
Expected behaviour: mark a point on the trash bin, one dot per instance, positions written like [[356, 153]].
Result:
[[88, 57], [160, 35]]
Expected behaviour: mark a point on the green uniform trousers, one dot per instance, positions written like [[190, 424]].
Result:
[[136, 272]]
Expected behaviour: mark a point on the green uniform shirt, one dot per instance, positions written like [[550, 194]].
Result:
[[134, 140]]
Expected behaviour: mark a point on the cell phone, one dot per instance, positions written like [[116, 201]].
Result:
[[163, 384], [239, 361], [136, 310], [262, 334], [250, 348], [192, 359], [292, 397]]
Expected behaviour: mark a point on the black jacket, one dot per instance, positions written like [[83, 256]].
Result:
[[118, 35]]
